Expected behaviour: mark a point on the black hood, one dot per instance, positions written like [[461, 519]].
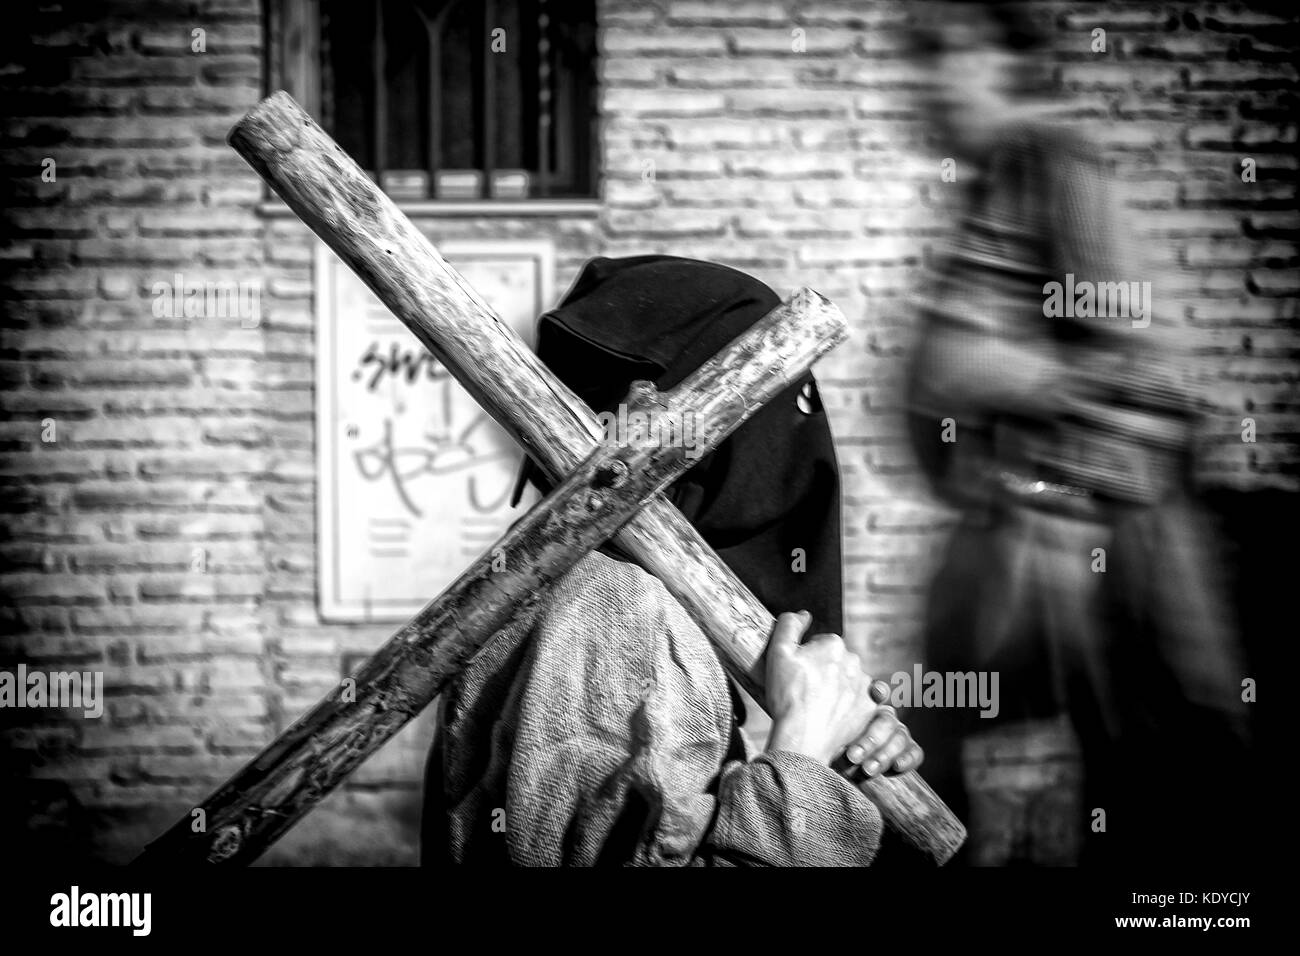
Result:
[[767, 499]]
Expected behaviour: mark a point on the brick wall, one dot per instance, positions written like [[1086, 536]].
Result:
[[720, 141]]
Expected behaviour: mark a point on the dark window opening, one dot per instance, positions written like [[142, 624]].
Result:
[[464, 99]]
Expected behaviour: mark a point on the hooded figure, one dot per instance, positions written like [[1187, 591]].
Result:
[[602, 729], [773, 485]]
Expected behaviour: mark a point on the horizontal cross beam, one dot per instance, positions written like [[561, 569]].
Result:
[[274, 790], [334, 197]]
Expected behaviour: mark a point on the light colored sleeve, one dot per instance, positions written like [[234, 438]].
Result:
[[627, 753]]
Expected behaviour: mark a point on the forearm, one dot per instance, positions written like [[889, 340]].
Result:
[[970, 370]]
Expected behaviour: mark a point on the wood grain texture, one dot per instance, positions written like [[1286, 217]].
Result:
[[334, 197], [275, 789]]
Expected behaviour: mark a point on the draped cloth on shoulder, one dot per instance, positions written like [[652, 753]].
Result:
[[603, 729]]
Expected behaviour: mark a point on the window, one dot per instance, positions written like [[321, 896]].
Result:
[[484, 100]]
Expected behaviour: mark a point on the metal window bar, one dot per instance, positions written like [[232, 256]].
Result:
[[554, 121], [433, 30], [487, 125], [543, 100], [379, 59]]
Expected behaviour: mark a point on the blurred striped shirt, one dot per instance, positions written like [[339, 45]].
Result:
[[1093, 403]]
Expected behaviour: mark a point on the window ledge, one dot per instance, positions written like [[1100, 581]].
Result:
[[431, 208]]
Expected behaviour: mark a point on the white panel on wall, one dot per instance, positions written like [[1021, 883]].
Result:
[[414, 479]]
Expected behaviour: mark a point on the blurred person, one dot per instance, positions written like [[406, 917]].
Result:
[[1081, 569], [603, 729]]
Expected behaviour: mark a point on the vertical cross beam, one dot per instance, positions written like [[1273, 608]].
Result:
[[282, 783], [333, 196]]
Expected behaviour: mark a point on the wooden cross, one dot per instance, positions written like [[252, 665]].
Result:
[[603, 490]]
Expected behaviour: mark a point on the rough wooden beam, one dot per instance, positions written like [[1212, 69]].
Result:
[[265, 798], [334, 197]]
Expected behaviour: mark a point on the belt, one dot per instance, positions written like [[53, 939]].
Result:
[[1049, 495]]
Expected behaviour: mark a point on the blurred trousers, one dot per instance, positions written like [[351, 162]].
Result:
[[1112, 614]]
